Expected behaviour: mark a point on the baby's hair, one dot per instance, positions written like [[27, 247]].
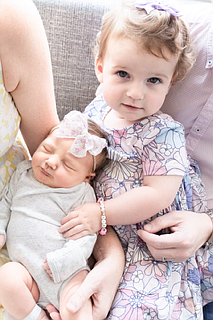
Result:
[[153, 32], [101, 158]]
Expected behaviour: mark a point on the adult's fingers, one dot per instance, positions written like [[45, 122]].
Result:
[[164, 246], [101, 285], [166, 221], [161, 242], [53, 312], [79, 298]]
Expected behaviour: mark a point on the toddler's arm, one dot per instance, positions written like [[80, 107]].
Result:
[[138, 204], [134, 206]]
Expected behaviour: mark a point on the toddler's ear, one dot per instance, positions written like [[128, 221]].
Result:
[[173, 78], [172, 82], [99, 70]]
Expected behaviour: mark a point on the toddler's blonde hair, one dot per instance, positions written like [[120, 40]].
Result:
[[153, 32]]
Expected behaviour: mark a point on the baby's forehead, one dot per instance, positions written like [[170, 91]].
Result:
[[55, 141]]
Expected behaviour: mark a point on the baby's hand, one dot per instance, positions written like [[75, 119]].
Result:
[[47, 268], [1, 240]]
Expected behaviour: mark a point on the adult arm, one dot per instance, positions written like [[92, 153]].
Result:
[[190, 231], [27, 70]]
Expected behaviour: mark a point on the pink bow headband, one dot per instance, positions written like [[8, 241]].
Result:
[[163, 5], [75, 126]]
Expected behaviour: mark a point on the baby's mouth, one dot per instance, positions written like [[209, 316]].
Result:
[[45, 172]]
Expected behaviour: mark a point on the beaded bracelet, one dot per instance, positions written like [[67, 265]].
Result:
[[210, 239], [103, 230]]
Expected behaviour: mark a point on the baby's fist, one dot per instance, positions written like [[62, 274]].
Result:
[[47, 268]]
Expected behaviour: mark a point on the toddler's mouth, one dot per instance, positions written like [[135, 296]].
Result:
[[131, 107]]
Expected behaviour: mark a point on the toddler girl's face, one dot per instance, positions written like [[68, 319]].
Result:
[[135, 82], [54, 166]]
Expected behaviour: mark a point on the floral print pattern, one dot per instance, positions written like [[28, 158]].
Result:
[[152, 289]]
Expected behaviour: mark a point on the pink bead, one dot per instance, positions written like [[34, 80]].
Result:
[[103, 232]]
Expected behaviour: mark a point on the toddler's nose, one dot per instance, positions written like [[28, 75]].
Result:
[[136, 91]]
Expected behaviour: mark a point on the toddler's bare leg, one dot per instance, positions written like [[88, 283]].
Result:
[[18, 291], [86, 311]]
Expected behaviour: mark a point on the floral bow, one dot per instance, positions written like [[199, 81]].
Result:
[[74, 125], [164, 5]]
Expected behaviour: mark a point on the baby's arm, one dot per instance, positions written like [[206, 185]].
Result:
[[62, 263]]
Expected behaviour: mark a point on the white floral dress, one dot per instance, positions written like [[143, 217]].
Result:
[[152, 289], [11, 148]]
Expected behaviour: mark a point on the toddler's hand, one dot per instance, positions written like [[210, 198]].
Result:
[[1, 240], [47, 268], [83, 220]]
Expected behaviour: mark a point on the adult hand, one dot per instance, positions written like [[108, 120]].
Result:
[[83, 220], [189, 230], [53, 312]]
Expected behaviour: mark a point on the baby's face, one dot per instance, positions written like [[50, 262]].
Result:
[[54, 166]]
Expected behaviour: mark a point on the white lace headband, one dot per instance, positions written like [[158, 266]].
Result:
[[75, 126]]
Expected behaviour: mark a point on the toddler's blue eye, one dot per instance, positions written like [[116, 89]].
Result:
[[154, 80], [123, 74]]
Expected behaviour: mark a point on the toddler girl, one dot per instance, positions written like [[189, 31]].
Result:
[[143, 48]]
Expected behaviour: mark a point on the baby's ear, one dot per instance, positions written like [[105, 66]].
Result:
[[89, 177], [99, 70]]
